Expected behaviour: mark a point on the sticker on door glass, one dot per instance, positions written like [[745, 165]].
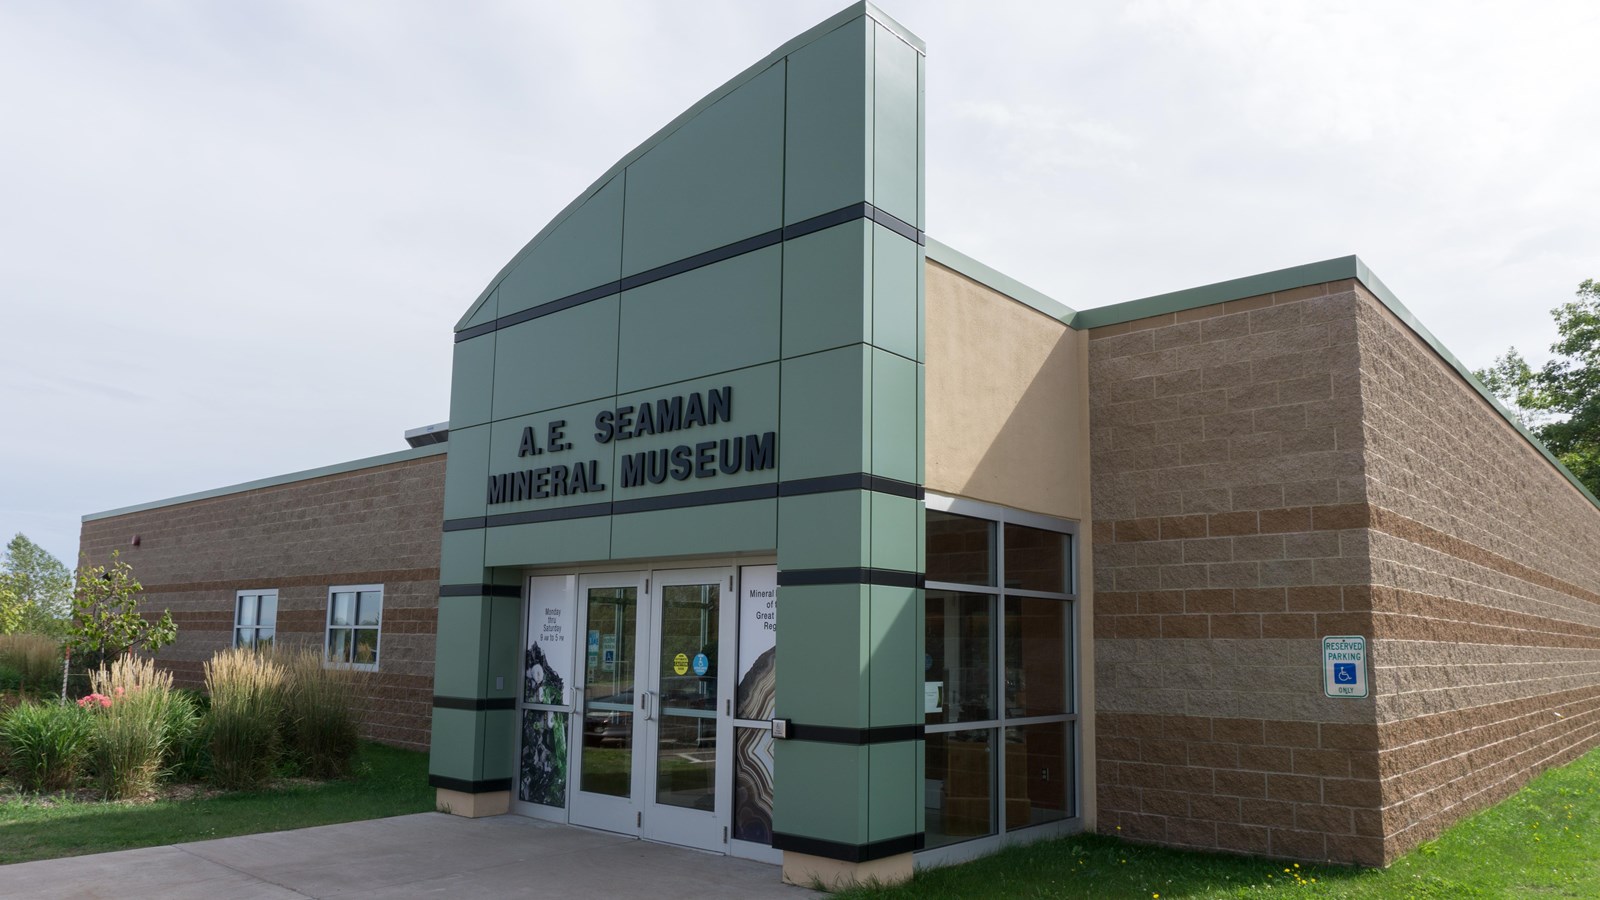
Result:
[[680, 664], [702, 665]]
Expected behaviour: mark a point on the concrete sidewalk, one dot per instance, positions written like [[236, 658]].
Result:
[[423, 855]]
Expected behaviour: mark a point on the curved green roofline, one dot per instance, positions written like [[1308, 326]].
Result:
[[848, 14]]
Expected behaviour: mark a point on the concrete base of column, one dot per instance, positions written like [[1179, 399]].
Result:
[[833, 874], [472, 806]]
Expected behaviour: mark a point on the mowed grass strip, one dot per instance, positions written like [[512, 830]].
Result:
[[388, 782], [1543, 842]]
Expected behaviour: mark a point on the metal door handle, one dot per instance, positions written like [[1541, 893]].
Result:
[[644, 705]]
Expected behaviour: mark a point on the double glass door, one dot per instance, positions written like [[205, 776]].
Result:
[[655, 706]]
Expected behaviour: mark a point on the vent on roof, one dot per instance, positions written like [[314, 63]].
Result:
[[428, 434]]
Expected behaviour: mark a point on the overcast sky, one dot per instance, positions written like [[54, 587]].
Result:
[[234, 237]]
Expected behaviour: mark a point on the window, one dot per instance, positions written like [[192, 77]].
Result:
[[355, 618], [255, 618], [998, 696]]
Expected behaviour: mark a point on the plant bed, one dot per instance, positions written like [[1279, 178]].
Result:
[[386, 782]]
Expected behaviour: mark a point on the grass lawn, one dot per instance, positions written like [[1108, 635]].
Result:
[[1544, 842], [389, 782]]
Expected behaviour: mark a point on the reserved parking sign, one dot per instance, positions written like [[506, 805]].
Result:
[[1344, 666]]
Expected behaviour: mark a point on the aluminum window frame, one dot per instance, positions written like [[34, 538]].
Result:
[[257, 593], [329, 628], [1002, 516]]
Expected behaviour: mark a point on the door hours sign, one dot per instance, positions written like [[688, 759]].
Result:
[[1344, 666]]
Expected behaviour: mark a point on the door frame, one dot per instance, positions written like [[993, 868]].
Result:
[[644, 569]]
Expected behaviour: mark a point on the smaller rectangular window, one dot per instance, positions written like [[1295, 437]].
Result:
[[255, 618], [355, 620], [960, 549], [1037, 560]]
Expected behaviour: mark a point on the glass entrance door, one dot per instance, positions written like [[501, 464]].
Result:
[[654, 757]]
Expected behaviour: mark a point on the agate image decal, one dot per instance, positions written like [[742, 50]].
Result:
[[758, 660], [544, 758]]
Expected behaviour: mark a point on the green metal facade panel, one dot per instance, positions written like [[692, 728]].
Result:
[[549, 543], [826, 413], [896, 441], [894, 789], [896, 127], [895, 521], [486, 311], [895, 318], [583, 252], [822, 791], [471, 384], [894, 657], [827, 288], [713, 319], [825, 629], [464, 623], [556, 360], [461, 554], [825, 531], [755, 413], [468, 459], [828, 139], [453, 751], [747, 527], [715, 180]]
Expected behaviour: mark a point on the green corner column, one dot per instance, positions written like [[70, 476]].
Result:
[[850, 559]]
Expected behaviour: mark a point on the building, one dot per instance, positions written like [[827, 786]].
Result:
[[1255, 567]]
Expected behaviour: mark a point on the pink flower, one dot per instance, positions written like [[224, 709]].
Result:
[[105, 702], [119, 690]]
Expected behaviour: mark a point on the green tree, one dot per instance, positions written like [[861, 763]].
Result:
[[1560, 402], [36, 586], [106, 621]]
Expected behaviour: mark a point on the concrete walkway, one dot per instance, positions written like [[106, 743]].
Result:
[[423, 855]]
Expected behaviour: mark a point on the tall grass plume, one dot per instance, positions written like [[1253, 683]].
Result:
[[321, 719], [247, 690]]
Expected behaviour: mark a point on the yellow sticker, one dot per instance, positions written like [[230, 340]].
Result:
[[680, 663]]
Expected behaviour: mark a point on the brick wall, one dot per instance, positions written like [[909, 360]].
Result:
[[1276, 469], [378, 525], [1227, 482], [1486, 592]]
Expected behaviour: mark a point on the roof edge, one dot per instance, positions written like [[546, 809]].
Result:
[[353, 465], [837, 20], [959, 262]]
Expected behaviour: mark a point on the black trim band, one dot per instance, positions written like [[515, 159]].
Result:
[[473, 704], [480, 590], [848, 852], [699, 260], [857, 575], [855, 481], [859, 737], [486, 786]]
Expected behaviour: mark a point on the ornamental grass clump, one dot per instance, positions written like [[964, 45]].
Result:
[[34, 658], [321, 721], [45, 744], [246, 688], [136, 717]]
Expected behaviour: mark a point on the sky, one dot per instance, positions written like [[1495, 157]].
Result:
[[235, 237]]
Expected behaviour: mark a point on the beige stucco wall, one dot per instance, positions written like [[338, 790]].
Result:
[[1006, 421], [1007, 400]]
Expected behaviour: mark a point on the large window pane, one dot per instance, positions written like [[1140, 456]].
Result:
[[269, 609], [370, 608], [247, 609], [1038, 654], [1037, 560], [343, 609], [1039, 773], [959, 786], [958, 677], [960, 549]]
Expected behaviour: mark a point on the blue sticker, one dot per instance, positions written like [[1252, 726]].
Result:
[[701, 664], [1344, 673]]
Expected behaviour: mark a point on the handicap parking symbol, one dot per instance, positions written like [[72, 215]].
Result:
[[1344, 673]]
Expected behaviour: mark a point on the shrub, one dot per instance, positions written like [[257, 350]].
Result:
[[188, 733], [34, 658], [45, 744], [136, 716], [246, 690], [321, 722]]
